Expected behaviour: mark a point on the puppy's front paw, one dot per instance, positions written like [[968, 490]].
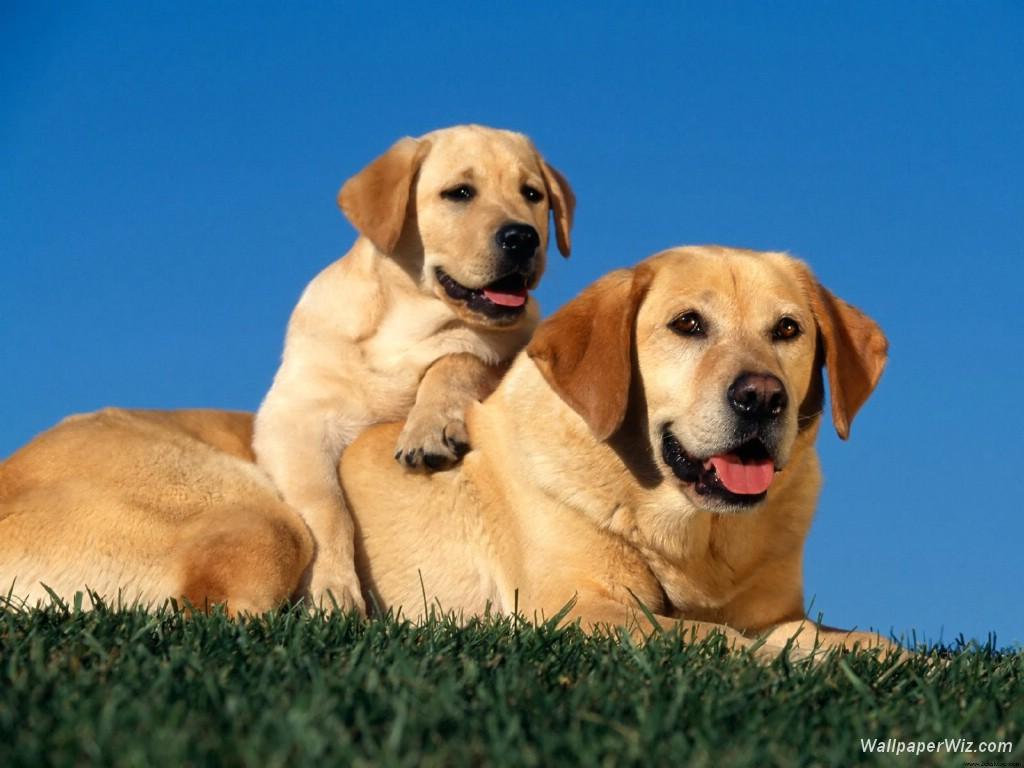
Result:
[[432, 441], [333, 590]]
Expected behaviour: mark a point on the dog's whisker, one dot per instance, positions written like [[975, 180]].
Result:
[[804, 418]]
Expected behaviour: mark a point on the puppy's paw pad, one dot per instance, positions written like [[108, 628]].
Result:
[[435, 461], [456, 437], [432, 443]]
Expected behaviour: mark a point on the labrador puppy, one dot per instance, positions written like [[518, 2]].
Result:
[[653, 446], [414, 323]]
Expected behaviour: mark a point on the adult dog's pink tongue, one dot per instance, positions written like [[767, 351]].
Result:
[[746, 479], [514, 298]]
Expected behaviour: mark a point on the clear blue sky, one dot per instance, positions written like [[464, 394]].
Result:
[[169, 176]]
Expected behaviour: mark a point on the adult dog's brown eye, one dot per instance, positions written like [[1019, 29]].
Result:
[[688, 324], [787, 328], [532, 194], [460, 194]]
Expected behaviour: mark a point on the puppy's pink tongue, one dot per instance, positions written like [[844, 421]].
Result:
[[738, 477], [507, 298]]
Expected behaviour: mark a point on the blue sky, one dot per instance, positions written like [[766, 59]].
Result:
[[169, 182]]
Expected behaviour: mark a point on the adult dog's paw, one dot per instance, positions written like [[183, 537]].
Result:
[[432, 441], [805, 639]]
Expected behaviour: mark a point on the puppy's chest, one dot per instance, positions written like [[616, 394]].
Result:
[[414, 335]]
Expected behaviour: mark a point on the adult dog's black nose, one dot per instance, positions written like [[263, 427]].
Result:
[[520, 241], [758, 396]]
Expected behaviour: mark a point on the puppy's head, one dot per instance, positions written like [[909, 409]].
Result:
[[724, 350], [465, 210]]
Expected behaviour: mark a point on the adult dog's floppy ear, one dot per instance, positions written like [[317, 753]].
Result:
[[376, 198], [563, 205], [585, 350], [855, 351]]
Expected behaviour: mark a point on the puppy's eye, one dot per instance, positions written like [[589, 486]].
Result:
[[460, 194], [688, 324], [532, 194], [786, 329]]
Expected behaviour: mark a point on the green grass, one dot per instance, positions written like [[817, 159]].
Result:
[[127, 687]]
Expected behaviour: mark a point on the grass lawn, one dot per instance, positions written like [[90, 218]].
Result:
[[127, 687]]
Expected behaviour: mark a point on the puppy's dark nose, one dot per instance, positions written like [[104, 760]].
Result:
[[758, 396], [520, 241]]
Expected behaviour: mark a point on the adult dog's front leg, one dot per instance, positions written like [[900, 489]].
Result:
[[597, 614], [805, 636], [798, 639], [435, 436]]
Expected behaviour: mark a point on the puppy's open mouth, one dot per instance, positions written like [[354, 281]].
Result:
[[503, 299], [740, 476]]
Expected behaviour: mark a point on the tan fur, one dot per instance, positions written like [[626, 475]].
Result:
[[855, 351], [120, 502], [541, 511], [375, 338], [585, 351]]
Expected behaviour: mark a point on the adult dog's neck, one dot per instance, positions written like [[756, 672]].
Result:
[[705, 562]]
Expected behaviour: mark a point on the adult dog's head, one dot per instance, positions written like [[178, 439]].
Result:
[[465, 211], [719, 353]]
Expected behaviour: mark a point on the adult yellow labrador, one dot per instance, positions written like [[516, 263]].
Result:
[[655, 443]]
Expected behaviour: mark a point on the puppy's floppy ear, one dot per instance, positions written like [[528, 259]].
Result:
[[855, 351], [585, 350], [563, 205], [376, 198]]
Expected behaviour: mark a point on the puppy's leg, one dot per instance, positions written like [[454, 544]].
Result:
[[435, 436], [301, 453]]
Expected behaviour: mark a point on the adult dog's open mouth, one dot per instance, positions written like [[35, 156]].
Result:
[[740, 476], [503, 299]]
